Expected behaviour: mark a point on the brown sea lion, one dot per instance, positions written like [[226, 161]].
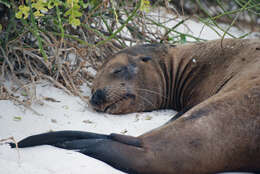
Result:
[[216, 89]]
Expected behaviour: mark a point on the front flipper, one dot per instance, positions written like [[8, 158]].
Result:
[[121, 152]]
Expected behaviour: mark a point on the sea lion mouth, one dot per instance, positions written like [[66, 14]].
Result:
[[110, 108]]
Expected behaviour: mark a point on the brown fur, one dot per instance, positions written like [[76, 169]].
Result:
[[221, 86], [216, 90], [175, 77]]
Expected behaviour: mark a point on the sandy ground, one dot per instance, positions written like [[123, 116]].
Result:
[[70, 113]]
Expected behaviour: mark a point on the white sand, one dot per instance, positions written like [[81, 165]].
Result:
[[70, 114]]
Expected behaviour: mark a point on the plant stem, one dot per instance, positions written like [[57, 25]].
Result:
[[122, 26], [35, 32]]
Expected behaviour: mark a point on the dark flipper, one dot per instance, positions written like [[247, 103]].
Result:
[[52, 138], [113, 149], [121, 156]]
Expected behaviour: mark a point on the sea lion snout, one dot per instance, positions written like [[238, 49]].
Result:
[[112, 100], [131, 81], [216, 89], [98, 98]]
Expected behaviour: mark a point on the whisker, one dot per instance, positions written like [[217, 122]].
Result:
[[153, 92], [113, 93], [146, 100], [140, 89]]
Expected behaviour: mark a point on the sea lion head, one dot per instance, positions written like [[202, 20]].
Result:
[[130, 81]]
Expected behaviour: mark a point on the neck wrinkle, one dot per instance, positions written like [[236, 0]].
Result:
[[171, 82], [178, 72], [172, 71], [182, 69], [165, 82], [189, 71]]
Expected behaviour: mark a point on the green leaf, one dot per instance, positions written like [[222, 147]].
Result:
[[23, 11], [75, 22], [83, 4], [77, 14], [51, 4], [17, 118], [24, 94], [69, 12], [145, 5], [183, 38], [76, 7], [39, 6], [170, 38], [6, 3], [57, 2], [38, 14], [19, 15]]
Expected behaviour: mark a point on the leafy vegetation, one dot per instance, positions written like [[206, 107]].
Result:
[[59, 40]]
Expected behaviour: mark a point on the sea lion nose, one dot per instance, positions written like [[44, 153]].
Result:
[[98, 98]]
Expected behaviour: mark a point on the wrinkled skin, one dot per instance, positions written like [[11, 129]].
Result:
[[216, 90], [129, 82]]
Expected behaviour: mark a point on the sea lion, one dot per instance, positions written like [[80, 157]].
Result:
[[215, 86]]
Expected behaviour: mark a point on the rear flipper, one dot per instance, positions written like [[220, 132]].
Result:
[[57, 138], [113, 149]]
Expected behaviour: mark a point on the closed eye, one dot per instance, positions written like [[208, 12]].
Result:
[[119, 70], [124, 72], [146, 58]]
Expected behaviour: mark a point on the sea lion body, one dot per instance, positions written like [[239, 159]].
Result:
[[215, 86], [175, 77]]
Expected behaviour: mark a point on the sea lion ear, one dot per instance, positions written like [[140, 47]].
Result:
[[146, 58]]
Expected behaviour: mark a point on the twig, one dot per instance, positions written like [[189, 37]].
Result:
[[55, 83], [233, 22]]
